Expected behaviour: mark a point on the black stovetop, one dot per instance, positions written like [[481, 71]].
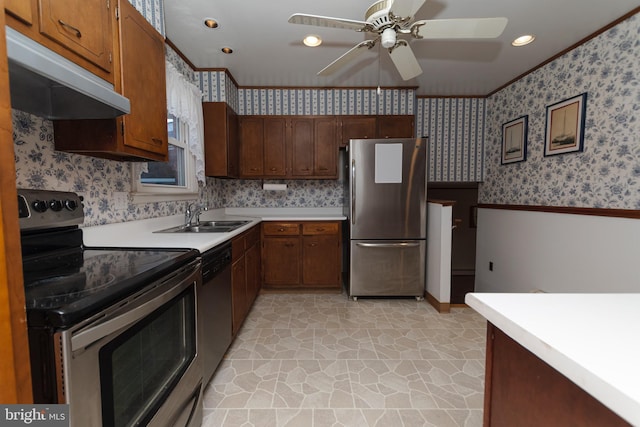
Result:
[[68, 285]]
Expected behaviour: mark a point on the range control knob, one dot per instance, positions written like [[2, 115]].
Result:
[[39, 206], [55, 205], [70, 204]]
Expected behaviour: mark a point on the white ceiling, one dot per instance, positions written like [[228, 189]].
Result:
[[268, 51]]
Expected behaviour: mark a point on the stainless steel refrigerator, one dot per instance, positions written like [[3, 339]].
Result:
[[387, 217]]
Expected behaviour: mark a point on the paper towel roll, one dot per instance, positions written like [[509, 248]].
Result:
[[274, 187]]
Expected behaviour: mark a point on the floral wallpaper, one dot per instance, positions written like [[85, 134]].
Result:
[[607, 173], [300, 193]]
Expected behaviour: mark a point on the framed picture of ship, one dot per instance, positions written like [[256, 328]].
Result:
[[514, 140], [565, 126]]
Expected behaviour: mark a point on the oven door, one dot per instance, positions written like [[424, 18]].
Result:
[[137, 363]]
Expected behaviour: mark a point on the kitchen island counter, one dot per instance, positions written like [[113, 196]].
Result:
[[591, 339]]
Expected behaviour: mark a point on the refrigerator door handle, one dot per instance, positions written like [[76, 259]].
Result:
[[389, 245], [353, 191]]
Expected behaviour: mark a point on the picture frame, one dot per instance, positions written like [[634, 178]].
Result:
[[564, 131], [514, 140]]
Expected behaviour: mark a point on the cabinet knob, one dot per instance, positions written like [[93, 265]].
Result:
[[281, 229], [313, 244], [320, 229], [273, 169], [253, 169], [71, 28]]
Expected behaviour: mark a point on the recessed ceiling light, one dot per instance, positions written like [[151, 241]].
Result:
[[227, 50], [523, 40], [312, 40], [210, 23]]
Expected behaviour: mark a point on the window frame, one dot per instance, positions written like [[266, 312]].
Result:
[[146, 192]]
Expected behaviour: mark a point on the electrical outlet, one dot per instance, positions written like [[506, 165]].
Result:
[[490, 265], [120, 200]]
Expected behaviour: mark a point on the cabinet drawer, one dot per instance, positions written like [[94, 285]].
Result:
[[281, 228], [311, 228]]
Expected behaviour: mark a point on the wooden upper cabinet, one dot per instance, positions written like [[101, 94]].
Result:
[[251, 146], [395, 127], [275, 148], [82, 31], [24, 10], [142, 134], [356, 127], [220, 140], [302, 146], [325, 148], [82, 26], [144, 83]]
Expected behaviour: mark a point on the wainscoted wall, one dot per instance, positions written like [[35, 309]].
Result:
[[558, 252], [456, 128], [607, 173]]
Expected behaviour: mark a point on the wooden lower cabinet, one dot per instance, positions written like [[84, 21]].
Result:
[[303, 255], [523, 390], [245, 274]]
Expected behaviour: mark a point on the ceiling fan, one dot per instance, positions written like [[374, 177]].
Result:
[[388, 19]]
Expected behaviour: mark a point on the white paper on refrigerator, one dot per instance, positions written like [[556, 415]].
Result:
[[388, 164]]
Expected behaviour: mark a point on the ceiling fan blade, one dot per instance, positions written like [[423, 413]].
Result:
[[405, 61], [406, 8], [350, 55], [326, 21], [471, 28]]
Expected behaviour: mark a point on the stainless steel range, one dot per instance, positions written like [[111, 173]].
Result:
[[112, 332]]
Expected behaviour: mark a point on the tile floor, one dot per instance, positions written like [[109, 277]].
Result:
[[325, 360]]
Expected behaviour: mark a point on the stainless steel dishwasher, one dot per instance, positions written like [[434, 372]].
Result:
[[214, 308]]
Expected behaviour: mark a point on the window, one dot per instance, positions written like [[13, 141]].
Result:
[[174, 179]]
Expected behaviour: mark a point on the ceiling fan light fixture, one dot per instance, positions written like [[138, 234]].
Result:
[[227, 50], [312, 40], [210, 23], [523, 40], [388, 38]]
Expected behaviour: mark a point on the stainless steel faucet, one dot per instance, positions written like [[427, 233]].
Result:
[[193, 210]]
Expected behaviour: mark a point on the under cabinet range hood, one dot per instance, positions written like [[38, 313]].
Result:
[[50, 86]]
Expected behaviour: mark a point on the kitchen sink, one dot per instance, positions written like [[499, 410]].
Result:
[[206, 227]]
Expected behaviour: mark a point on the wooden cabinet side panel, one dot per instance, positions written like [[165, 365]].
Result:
[[238, 294], [15, 373], [215, 138], [526, 391]]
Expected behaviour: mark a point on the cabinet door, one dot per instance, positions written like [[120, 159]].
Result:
[[82, 26], [20, 9], [281, 261], [302, 142], [252, 263], [356, 127], [238, 293], [325, 148], [144, 83], [251, 147], [395, 127], [321, 261], [275, 152]]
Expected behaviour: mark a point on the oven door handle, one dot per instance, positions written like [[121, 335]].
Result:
[[105, 328]]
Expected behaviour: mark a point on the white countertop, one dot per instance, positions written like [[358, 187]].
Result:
[[592, 339], [141, 233]]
